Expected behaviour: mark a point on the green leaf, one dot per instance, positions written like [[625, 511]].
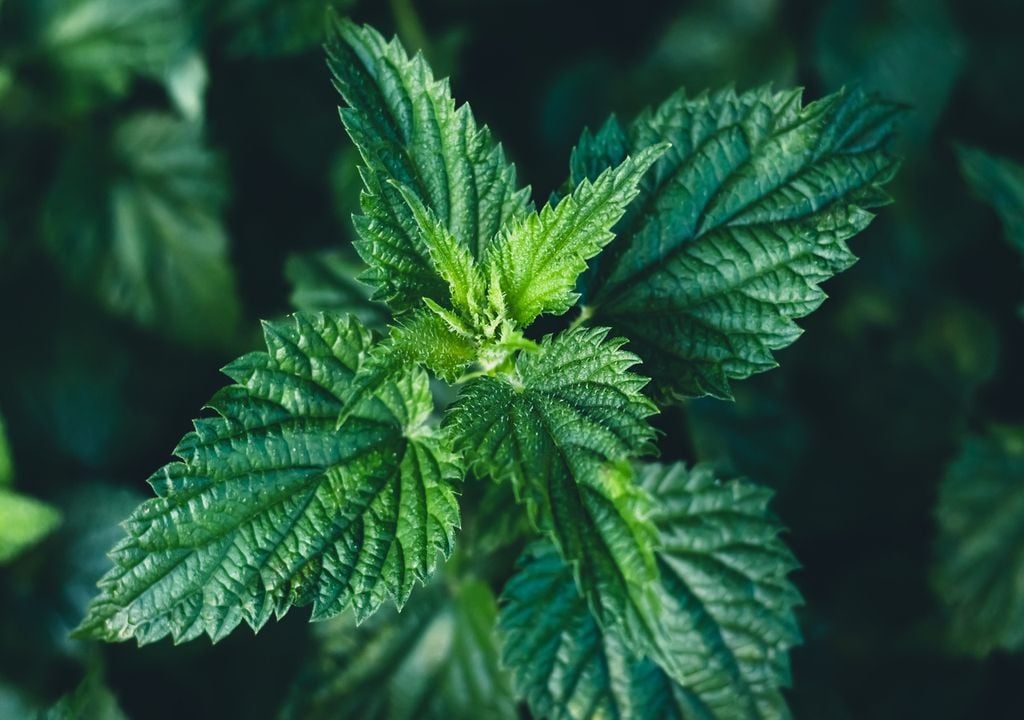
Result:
[[734, 227], [725, 569], [999, 182], [980, 551], [271, 506], [560, 427], [23, 522], [91, 700], [451, 259], [106, 43], [6, 463], [726, 625], [538, 258], [437, 659], [408, 131], [267, 28], [325, 280], [142, 229]]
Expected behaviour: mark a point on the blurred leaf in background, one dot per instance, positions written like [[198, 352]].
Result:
[[979, 573], [139, 223], [436, 660], [24, 521]]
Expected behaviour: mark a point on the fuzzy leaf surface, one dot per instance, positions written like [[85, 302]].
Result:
[[271, 505], [734, 228], [979, 573], [435, 660], [410, 133], [726, 626], [539, 257], [560, 428]]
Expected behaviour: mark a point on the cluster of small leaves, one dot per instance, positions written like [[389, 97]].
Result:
[[325, 477]]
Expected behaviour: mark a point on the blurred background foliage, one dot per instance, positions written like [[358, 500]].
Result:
[[173, 170]]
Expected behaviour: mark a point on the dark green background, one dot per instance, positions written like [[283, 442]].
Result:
[[919, 342]]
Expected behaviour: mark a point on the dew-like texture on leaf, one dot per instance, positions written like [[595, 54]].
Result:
[[560, 429], [999, 182], [734, 228], [105, 43], [271, 505], [979, 572], [726, 625], [437, 659], [409, 131], [539, 257], [142, 229]]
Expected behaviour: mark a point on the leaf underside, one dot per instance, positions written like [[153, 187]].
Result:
[[270, 506], [734, 228], [728, 616]]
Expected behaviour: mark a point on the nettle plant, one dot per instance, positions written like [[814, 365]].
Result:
[[327, 477]]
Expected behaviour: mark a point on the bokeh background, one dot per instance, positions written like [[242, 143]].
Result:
[[173, 170]]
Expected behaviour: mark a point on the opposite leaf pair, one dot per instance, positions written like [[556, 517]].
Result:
[[322, 480]]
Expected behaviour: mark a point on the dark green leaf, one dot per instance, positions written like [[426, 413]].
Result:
[[726, 624], [326, 281], [559, 427], [435, 660], [999, 182], [271, 505], [980, 554], [734, 228], [142, 229]]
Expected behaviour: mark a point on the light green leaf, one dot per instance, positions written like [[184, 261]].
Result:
[[325, 280], [408, 131], [106, 43], [435, 660], [979, 571], [539, 257], [452, 260], [734, 228], [999, 182], [147, 237], [726, 625], [23, 522], [271, 506], [560, 427]]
